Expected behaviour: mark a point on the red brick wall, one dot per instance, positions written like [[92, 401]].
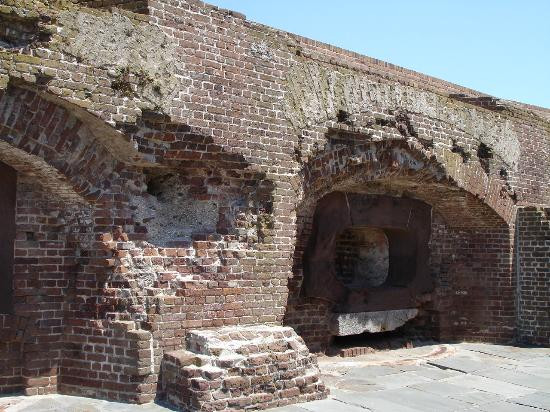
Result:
[[475, 297], [45, 267], [86, 154], [533, 275], [11, 331], [58, 263], [110, 360]]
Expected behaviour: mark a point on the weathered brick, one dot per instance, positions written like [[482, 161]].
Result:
[[177, 190]]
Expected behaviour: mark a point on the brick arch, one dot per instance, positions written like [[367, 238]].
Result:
[[470, 246], [71, 188], [37, 168], [406, 168], [39, 137]]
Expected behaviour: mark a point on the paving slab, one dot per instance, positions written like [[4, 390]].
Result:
[[420, 400], [506, 406], [374, 371], [443, 388], [435, 373], [508, 352], [541, 361], [536, 400], [404, 399], [357, 385], [516, 377], [535, 370], [477, 397], [367, 401], [505, 389], [332, 405], [398, 380], [459, 393], [465, 364]]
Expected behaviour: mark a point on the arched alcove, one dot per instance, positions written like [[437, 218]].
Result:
[[63, 192], [454, 276]]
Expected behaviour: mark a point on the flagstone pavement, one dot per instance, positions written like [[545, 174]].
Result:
[[433, 377]]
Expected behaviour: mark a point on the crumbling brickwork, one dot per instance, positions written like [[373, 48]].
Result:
[[168, 166], [236, 368], [137, 6]]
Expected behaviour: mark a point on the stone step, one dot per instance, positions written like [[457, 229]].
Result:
[[256, 366]]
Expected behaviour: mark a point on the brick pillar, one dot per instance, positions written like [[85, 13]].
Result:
[[533, 272]]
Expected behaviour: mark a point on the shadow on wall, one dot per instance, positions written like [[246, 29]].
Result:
[[406, 225]]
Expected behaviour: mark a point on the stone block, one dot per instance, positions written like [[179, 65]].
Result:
[[343, 324]]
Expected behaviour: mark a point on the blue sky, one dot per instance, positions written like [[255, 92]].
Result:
[[499, 47]]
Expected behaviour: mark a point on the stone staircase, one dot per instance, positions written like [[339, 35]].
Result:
[[236, 368]]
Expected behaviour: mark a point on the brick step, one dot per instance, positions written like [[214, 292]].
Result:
[[256, 367]]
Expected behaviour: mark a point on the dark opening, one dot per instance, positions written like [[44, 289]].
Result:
[[155, 184], [461, 151], [503, 173], [485, 154], [362, 257], [365, 343], [342, 116], [368, 253], [8, 179], [484, 151], [380, 121], [403, 251]]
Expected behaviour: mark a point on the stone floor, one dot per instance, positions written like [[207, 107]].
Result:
[[460, 377]]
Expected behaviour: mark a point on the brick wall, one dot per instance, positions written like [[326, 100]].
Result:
[[111, 360], [475, 297], [11, 331], [533, 274], [174, 189], [45, 265]]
